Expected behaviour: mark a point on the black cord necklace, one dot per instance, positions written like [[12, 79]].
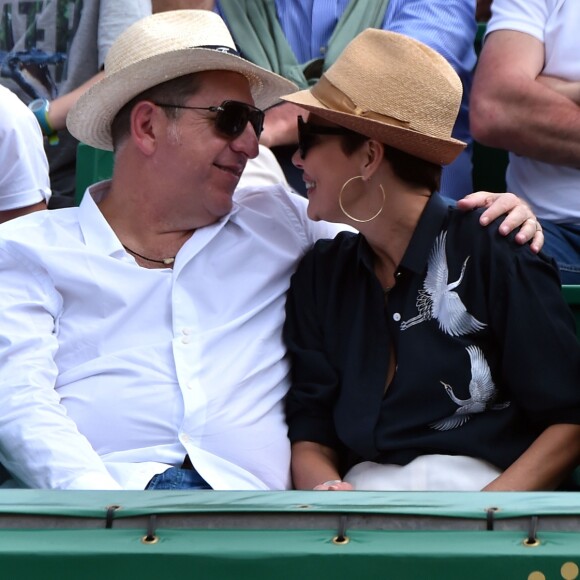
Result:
[[166, 261]]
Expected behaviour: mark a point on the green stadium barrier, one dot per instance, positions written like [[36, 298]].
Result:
[[92, 165], [287, 535]]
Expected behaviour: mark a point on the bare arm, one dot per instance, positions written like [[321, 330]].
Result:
[[518, 214], [280, 126], [512, 109], [313, 465], [14, 213], [60, 107], [544, 464], [568, 89]]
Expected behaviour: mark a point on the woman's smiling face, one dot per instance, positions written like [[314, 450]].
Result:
[[326, 168]]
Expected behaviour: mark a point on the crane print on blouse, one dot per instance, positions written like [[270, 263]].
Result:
[[438, 300]]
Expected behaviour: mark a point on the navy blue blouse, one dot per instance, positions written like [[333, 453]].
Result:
[[485, 346]]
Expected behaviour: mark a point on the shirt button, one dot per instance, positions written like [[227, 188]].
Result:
[[184, 438], [396, 317], [323, 50], [185, 340], [186, 331]]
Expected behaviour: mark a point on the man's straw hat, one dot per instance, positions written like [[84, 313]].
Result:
[[394, 89], [159, 48]]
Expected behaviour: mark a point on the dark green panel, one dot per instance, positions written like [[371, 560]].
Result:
[[288, 535], [92, 165], [304, 554]]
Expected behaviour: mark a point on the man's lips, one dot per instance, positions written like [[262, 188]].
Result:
[[235, 170]]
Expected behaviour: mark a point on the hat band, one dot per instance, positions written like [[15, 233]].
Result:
[[333, 98], [219, 48]]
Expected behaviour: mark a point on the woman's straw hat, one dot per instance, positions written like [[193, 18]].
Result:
[[394, 89], [159, 48]]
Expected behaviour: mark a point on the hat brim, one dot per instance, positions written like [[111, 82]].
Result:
[[91, 118], [437, 150]]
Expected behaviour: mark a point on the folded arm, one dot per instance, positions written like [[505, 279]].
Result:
[[568, 89], [512, 107]]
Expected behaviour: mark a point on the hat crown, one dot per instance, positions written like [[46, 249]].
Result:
[[157, 49], [164, 33], [396, 76]]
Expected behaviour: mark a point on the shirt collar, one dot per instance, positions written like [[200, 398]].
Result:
[[97, 232], [419, 248], [428, 227]]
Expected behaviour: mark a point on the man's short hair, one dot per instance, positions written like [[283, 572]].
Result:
[[175, 91], [406, 167]]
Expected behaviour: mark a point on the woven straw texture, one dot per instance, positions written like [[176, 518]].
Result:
[[394, 89], [156, 49]]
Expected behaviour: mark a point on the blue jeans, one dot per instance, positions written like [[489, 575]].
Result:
[[177, 478], [563, 244]]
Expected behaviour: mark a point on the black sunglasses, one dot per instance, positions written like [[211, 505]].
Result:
[[306, 132], [231, 117]]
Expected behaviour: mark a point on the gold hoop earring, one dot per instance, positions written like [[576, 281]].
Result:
[[351, 216]]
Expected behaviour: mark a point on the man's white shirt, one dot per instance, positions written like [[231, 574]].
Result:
[[112, 372]]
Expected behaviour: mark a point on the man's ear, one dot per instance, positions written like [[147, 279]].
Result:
[[145, 125]]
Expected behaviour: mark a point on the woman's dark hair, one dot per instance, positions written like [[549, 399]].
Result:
[[175, 91], [406, 167]]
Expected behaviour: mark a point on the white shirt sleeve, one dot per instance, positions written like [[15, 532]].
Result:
[[315, 230], [528, 16], [115, 17], [39, 444], [24, 177]]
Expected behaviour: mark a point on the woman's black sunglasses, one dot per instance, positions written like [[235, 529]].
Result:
[[306, 132], [231, 117]]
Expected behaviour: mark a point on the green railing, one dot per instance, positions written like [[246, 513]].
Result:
[[288, 535]]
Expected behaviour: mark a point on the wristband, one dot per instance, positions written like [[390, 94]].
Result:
[[40, 109]]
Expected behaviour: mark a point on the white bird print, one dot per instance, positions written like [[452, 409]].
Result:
[[481, 388], [438, 300]]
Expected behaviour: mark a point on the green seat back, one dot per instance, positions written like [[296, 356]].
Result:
[[92, 165], [572, 297], [489, 163]]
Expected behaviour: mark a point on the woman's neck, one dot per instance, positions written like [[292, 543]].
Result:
[[389, 235]]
